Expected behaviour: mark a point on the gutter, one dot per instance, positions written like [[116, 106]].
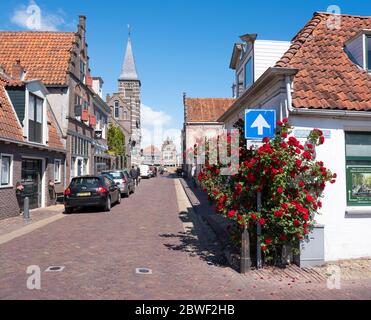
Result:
[[331, 113], [31, 145]]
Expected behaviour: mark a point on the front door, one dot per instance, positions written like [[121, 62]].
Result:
[[31, 180], [79, 167]]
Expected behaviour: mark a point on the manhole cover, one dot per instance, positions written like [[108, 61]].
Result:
[[55, 269], [143, 271]]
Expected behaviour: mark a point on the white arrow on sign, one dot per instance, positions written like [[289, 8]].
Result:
[[260, 123]]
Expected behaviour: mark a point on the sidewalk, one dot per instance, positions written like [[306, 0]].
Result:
[[10, 225], [358, 269]]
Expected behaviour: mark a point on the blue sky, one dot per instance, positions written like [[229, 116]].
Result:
[[179, 45]]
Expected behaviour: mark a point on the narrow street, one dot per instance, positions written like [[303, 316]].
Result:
[[101, 252]]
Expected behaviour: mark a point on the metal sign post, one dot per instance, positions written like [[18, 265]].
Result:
[[258, 232], [259, 123]]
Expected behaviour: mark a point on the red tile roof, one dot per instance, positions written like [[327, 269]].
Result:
[[44, 55], [9, 125], [206, 109], [327, 78]]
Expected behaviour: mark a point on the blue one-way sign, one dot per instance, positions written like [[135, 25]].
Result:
[[259, 123]]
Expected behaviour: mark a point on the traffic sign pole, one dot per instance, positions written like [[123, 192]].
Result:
[[258, 232]]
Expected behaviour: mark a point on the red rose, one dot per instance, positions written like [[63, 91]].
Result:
[[238, 188], [319, 203], [231, 213], [279, 123], [278, 213], [307, 155], [284, 206], [282, 237], [309, 198], [280, 190], [298, 163], [268, 241], [263, 248], [217, 171], [301, 183], [309, 146], [262, 221], [265, 139], [285, 120], [253, 216], [239, 217], [296, 223], [284, 134], [321, 139]]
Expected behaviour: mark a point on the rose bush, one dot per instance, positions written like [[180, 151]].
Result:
[[289, 178]]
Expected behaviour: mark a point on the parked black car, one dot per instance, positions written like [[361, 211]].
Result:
[[91, 191]]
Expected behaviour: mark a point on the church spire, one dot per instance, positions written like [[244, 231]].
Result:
[[129, 70]]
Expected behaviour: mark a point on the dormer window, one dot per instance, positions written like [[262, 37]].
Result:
[[35, 118], [249, 78], [359, 49], [368, 53]]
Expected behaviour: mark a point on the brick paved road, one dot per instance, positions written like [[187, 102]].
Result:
[[101, 251]]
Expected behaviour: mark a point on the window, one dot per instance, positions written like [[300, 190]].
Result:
[[82, 70], [117, 110], [248, 74], [125, 115], [35, 118], [358, 168], [57, 170], [6, 170], [368, 53]]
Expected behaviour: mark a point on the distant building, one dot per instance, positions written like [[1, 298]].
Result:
[[125, 105], [152, 156], [169, 155], [201, 120]]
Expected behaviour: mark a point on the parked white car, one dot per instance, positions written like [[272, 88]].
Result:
[[145, 171]]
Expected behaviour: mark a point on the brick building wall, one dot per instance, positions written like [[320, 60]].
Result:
[[8, 201]]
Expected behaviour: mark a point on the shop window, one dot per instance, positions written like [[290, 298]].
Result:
[[6, 162], [358, 168]]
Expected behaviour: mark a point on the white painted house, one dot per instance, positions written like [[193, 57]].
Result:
[[323, 81]]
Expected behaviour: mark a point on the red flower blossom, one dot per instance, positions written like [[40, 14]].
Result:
[[309, 198], [280, 190], [262, 221], [307, 155], [265, 139], [253, 216], [285, 120], [268, 241], [263, 248], [282, 237], [278, 213], [301, 183], [296, 223], [284, 134], [231, 213], [321, 139], [298, 163]]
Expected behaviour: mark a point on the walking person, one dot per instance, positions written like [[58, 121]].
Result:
[[138, 175], [134, 175]]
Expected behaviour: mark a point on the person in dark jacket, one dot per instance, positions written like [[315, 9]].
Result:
[[138, 174], [134, 175]]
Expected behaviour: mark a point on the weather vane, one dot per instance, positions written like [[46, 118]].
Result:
[[129, 28]]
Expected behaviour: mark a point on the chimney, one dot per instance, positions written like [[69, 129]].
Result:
[[18, 72], [82, 22]]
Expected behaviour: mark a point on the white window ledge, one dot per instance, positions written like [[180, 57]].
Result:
[[8, 186], [358, 210]]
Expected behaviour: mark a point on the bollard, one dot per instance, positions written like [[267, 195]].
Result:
[[26, 209], [245, 264]]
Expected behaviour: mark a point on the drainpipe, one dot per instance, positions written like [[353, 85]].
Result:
[[65, 173]]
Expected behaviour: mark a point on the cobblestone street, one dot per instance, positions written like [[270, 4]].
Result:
[[155, 229]]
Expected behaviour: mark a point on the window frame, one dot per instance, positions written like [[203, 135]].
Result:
[[249, 60], [367, 49], [35, 98], [116, 106], [59, 178], [351, 165], [10, 184]]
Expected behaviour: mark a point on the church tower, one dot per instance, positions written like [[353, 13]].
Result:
[[129, 90]]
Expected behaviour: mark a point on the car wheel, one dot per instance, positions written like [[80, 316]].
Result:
[[67, 210], [107, 207]]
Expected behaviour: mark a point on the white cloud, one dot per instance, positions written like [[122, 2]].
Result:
[[32, 17], [156, 127]]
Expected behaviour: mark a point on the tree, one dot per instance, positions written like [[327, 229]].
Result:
[[116, 141]]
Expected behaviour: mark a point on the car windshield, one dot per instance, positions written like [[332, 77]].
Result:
[[86, 181], [115, 175]]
